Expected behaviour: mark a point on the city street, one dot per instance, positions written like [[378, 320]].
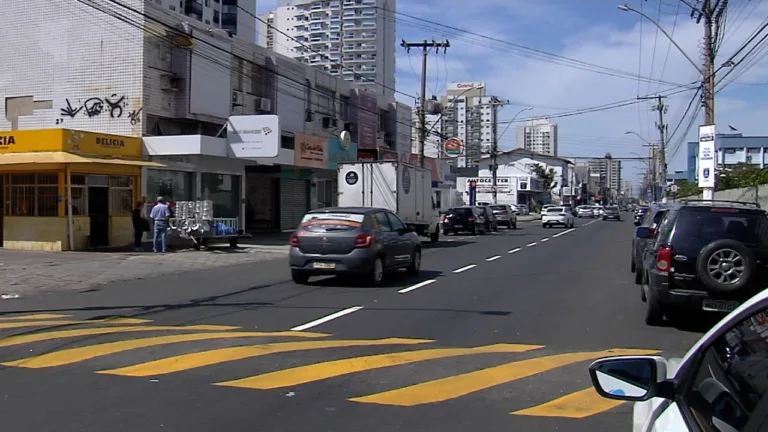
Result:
[[495, 334]]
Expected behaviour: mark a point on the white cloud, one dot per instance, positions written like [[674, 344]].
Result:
[[555, 88]]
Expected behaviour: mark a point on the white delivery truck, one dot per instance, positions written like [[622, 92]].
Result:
[[401, 188]]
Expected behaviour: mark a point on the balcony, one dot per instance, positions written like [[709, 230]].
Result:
[[368, 25], [193, 7]]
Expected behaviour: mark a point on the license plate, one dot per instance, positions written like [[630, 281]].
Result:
[[320, 265], [719, 305], [457, 226]]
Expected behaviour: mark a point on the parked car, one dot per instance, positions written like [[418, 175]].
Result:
[[651, 221], [467, 218], [611, 212], [505, 215], [557, 216], [719, 385], [706, 255], [598, 210], [522, 209], [491, 223], [361, 241], [585, 211], [640, 213]]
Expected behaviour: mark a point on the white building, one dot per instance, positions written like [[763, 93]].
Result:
[[153, 73], [469, 116], [538, 135], [434, 130], [353, 39], [608, 171], [235, 16]]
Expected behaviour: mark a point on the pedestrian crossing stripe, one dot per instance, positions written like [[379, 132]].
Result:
[[576, 405]]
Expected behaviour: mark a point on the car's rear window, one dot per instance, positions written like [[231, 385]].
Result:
[[611, 208], [498, 207], [708, 226], [324, 222], [555, 210], [459, 212]]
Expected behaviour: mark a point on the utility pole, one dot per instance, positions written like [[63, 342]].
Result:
[[425, 46], [661, 107], [495, 103]]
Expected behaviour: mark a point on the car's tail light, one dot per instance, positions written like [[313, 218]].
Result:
[[651, 231], [364, 241], [664, 260], [503, 212], [471, 218], [294, 240]]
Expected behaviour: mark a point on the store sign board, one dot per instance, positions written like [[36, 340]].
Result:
[[310, 151], [707, 156], [254, 136], [465, 85], [485, 184], [339, 152]]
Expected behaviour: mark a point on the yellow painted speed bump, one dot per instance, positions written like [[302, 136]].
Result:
[[459, 385], [580, 404], [319, 371], [22, 324], [96, 331], [42, 316], [75, 355], [222, 355]]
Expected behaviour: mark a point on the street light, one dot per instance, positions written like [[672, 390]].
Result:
[[513, 120], [639, 136]]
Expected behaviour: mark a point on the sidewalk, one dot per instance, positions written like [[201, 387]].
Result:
[[24, 273]]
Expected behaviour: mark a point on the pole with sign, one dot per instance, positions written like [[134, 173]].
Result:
[[707, 161], [472, 192]]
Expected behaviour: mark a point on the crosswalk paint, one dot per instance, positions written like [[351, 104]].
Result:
[[459, 385], [96, 331], [75, 355], [320, 371], [580, 404], [222, 355], [42, 316], [22, 324]]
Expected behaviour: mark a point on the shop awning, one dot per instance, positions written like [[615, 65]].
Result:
[[67, 158]]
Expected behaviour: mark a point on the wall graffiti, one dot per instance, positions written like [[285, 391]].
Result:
[[112, 105]]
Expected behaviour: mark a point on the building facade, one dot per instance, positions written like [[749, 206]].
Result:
[[732, 149], [234, 16], [351, 39], [538, 135], [609, 175], [176, 89], [469, 116]]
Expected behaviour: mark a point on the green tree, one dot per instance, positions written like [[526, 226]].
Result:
[[740, 176], [547, 176], [686, 188]]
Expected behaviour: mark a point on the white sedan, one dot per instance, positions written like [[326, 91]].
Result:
[[720, 384], [557, 216], [585, 211]]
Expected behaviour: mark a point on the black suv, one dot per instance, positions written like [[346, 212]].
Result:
[[704, 255], [466, 218]]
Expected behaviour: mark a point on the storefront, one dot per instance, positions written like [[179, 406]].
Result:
[[65, 189]]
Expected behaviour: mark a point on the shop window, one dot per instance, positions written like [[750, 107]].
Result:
[[169, 184], [325, 192], [120, 195], [32, 195], [224, 191]]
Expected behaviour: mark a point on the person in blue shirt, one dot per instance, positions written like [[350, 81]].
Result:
[[160, 214]]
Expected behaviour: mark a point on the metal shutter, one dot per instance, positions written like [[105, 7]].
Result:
[[294, 199]]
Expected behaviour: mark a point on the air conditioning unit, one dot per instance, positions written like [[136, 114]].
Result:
[[263, 104], [237, 97], [171, 82]]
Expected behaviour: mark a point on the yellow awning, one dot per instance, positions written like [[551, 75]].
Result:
[[67, 158]]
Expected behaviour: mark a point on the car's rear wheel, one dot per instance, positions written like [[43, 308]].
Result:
[[654, 312], [299, 277], [415, 266], [376, 274]]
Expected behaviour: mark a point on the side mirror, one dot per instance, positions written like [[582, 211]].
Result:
[[629, 378], [638, 222], [643, 232], [408, 229]]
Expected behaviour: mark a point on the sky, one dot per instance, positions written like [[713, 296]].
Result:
[[609, 40]]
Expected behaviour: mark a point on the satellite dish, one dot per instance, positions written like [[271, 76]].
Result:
[[346, 139]]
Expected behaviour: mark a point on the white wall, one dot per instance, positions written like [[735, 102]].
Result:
[[78, 58]]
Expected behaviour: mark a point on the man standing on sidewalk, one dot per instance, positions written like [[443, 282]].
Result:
[[160, 215]]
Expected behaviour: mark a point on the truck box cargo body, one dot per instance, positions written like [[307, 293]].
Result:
[[401, 188]]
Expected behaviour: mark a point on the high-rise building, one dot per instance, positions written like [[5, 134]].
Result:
[[353, 39], [538, 135], [609, 172], [434, 130], [235, 16], [469, 115]]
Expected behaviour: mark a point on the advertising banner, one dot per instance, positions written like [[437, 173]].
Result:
[[485, 184], [339, 152], [310, 151], [707, 156], [453, 147], [367, 120], [254, 136]]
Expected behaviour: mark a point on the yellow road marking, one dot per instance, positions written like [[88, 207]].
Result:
[[212, 357], [43, 316], [74, 355], [581, 404], [12, 325], [460, 385], [95, 331], [319, 371]]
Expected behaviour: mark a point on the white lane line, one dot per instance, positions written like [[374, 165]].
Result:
[[461, 238], [417, 286], [514, 250], [590, 223], [531, 244], [451, 240], [325, 319], [493, 258], [545, 239], [564, 232], [465, 268]]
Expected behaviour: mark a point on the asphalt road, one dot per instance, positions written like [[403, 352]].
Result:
[[495, 334]]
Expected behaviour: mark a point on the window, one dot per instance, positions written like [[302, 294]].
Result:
[[729, 384], [325, 101], [380, 222], [287, 142], [224, 191], [216, 17], [120, 195], [325, 193], [395, 222], [32, 195], [169, 184]]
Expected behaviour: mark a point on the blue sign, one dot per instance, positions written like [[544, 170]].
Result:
[[338, 154], [706, 173]]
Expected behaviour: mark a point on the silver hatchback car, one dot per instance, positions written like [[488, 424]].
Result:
[[359, 241]]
